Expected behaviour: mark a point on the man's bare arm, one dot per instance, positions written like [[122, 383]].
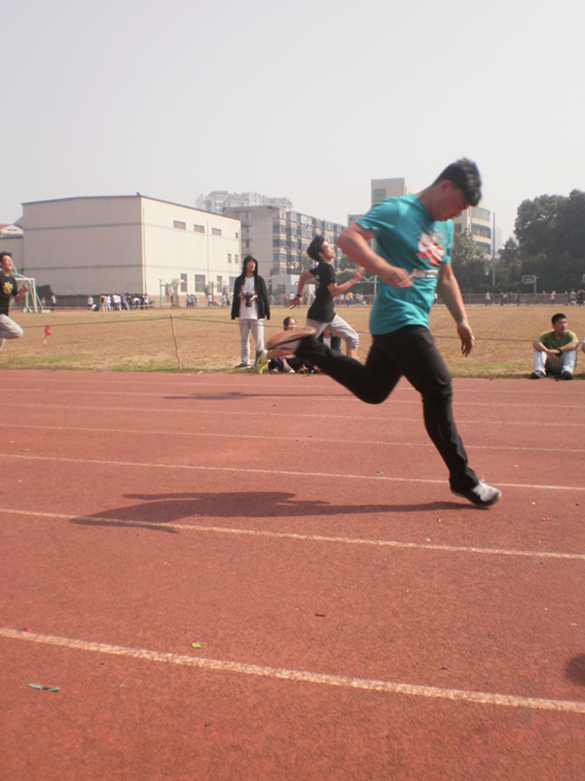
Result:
[[451, 295]]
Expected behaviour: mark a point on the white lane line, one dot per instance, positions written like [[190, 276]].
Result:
[[288, 473], [350, 417], [304, 676], [282, 438], [343, 397], [103, 520]]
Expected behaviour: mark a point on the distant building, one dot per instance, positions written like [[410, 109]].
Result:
[[279, 238], [133, 243], [218, 200], [381, 189], [477, 222]]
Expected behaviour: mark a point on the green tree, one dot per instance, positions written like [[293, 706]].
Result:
[[551, 239], [470, 265]]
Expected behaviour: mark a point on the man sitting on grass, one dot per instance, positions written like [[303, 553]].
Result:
[[556, 351]]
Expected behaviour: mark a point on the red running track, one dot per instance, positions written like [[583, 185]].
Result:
[[353, 619]]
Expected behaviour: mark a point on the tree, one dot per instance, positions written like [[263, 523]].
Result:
[[551, 239], [469, 264]]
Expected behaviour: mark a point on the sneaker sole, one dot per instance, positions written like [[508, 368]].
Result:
[[289, 338], [492, 501]]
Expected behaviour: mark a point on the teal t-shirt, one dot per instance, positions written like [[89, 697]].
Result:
[[408, 237]]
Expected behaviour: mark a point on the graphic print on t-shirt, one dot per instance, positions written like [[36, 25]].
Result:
[[7, 288], [430, 248]]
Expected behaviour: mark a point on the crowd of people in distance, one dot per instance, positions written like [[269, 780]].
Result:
[[118, 302], [516, 298]]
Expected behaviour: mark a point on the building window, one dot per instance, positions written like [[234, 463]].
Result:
[[180, 225], [229, 258], [236, 259], [216, 231], [199, 228], [200, 283], [477, 213], [219, 284], [378, 195], [237, 235], [183, 283]]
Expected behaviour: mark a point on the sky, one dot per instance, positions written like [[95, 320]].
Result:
[[307, 99]]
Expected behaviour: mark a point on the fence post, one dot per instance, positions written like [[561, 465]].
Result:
[[176, 344]]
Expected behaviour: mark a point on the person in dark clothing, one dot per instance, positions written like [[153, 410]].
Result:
[[9, 289], [250, 306], [321, 314]]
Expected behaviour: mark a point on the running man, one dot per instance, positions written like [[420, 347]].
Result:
[[321, 314], [8, 289], [413, 235]]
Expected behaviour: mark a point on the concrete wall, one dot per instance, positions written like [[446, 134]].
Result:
[[119, 244], [84, 245]]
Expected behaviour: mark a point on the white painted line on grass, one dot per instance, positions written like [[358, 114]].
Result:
[[302, 676], [105, 520], [288, 473]]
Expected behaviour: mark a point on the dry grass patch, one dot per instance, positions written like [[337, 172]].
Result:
[[208, 340]]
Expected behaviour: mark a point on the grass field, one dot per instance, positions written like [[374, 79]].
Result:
[[207, 340]]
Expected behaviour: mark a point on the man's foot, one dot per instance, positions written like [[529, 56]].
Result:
[[289, 340], [243, 366], [481, 494], [262, 362], [566, 375], [538, 375]]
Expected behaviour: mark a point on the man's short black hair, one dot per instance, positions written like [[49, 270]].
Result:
[[5, 255], [557, 317], [464, 175], [315, 247]]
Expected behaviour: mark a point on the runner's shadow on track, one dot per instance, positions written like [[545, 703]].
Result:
[[575, 669], [156, 510], [236, 396]]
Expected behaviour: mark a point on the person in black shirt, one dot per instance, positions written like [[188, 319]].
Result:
[[321, 314], [8, 289]]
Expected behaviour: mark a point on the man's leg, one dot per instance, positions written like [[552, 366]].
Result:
[[257, 328], [9, 329], [538, 362], [414, 352], [244, 341], [371, 382], [568, 362], [340, 328]]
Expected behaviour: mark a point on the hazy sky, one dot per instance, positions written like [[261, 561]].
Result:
[[307, 99]]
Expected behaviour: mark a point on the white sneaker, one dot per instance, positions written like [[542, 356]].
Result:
[[481, 494]]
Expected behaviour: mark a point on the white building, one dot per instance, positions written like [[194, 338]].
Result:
[[476, 221], [135, 244], [381, 189], [218, 200]]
